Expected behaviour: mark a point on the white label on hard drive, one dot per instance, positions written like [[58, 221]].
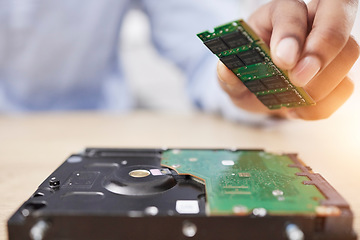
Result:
[[187, 206], [227, 162], [156, 172]]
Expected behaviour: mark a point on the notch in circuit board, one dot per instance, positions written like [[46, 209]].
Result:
[[248, 57]]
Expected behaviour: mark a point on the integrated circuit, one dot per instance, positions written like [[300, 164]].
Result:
[[247, 56], [268, 99], [235, 39], [251, 57], [232, 61], [216, 45], [274, 82], [255, 86]]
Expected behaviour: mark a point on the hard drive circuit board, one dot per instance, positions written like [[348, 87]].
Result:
[[239, 182]]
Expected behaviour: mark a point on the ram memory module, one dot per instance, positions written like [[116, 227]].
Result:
[[248, 57]]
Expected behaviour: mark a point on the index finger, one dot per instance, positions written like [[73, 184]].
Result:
[[332, 21], [282, 24]]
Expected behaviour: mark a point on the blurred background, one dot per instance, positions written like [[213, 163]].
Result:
[[155, 82]]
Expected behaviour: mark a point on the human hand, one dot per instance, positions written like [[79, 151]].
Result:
[[313, 43]]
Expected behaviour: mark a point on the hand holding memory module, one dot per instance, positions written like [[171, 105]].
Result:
[[253, 80]]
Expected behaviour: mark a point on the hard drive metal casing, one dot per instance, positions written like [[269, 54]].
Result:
[[182, 194]]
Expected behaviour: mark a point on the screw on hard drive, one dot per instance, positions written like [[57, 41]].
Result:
[[189, 229], [54, 183], [293, 232], [38, 231]]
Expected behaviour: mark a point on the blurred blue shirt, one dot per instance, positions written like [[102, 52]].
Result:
[[63, 55]]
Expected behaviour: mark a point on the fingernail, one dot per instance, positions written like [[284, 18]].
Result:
[[305, 70], [287, 51]]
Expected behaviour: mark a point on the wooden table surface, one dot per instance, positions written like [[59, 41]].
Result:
[[32, 146]]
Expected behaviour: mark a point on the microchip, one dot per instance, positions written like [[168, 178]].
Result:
[[232, 62], [288, 97], [216, 45], [244, 174], [274, 82], [268, 99], [255, 86], [250, 57], [235, 39]]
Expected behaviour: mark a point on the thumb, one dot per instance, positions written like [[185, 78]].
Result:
[[283, 25]]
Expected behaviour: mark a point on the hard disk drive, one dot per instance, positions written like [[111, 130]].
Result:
[[183, 194]]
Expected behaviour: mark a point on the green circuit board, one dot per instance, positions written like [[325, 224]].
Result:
[[241, 182], [248, 57]]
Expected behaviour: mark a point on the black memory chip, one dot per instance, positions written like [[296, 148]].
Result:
[[216, 45], [255, 86], [250, 57], [268, 99], [232, 62], [235, 39], [288, 97], [274, 82]]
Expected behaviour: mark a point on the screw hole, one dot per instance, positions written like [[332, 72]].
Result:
[[35, 206], [38, 194]]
